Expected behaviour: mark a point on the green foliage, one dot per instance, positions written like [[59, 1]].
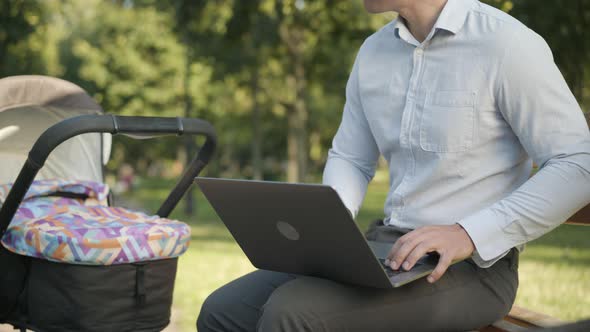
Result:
[[131, 68], [24, 35], [259, 70]]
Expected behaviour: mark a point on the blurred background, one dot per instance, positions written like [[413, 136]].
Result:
[[270, 76]]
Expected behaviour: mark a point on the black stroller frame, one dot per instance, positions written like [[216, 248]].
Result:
[[133, 126]]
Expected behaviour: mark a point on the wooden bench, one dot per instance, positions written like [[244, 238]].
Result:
[[520, 319]]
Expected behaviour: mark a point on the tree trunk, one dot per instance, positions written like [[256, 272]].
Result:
[[297, 145], [189, 140], [292, 150], [302, 118], [256, 134]]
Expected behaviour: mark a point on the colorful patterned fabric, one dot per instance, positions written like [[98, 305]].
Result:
[[69, 230], [93, 190]]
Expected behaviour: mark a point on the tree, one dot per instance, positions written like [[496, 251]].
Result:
[[24, 37], [128, 68], [304, 29]]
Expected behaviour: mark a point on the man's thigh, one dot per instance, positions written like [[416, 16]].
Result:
[[237, 305], [467, 297]]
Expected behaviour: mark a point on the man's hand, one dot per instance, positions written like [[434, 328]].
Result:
[[451, 242]]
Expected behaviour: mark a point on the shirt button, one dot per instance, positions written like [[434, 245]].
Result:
[[419, 51]]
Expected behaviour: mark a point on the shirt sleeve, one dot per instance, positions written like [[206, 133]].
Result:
[[353, 156], [535, 100]]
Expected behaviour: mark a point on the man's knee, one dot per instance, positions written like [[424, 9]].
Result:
[[210, 317], [280, 315]]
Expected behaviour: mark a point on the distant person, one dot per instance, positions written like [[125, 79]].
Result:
[[460, 99], [125, 178]]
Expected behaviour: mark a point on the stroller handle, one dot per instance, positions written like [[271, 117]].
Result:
[[134, 126]]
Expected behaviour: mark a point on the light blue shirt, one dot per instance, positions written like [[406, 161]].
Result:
[[460, 118]]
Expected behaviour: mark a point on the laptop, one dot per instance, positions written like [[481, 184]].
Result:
[[304, 229]]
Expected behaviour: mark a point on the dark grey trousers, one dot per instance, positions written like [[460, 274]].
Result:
[[465, 298]]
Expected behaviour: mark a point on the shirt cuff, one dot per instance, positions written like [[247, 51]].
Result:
[[485, 228]]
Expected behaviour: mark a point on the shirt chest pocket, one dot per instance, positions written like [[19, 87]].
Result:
[[448, 121]]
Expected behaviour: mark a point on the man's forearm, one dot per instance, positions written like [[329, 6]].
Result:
[[350, 180], [542, 203]]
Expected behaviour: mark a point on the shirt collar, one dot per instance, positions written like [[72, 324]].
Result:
[[452, 18]]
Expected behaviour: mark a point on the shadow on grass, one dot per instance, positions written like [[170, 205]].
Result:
[[566, 245], [570, 236], [581, 262], [211, 233]]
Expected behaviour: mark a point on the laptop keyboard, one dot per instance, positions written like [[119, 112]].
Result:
[[390, 272]]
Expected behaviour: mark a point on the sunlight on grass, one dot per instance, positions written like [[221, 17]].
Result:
[[555, 274], [557, 289], [204, 268], [554, 270]]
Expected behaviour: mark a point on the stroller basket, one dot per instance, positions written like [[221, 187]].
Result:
[[42, 291]]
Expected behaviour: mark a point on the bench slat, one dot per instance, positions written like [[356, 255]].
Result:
[[581, 217], [534, 318], [520, 319]]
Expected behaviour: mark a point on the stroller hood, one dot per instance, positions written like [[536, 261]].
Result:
[[31, 104]]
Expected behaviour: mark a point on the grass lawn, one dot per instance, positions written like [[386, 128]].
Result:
[[554, 270]]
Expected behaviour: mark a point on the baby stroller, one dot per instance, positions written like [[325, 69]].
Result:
[[69, 261]]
